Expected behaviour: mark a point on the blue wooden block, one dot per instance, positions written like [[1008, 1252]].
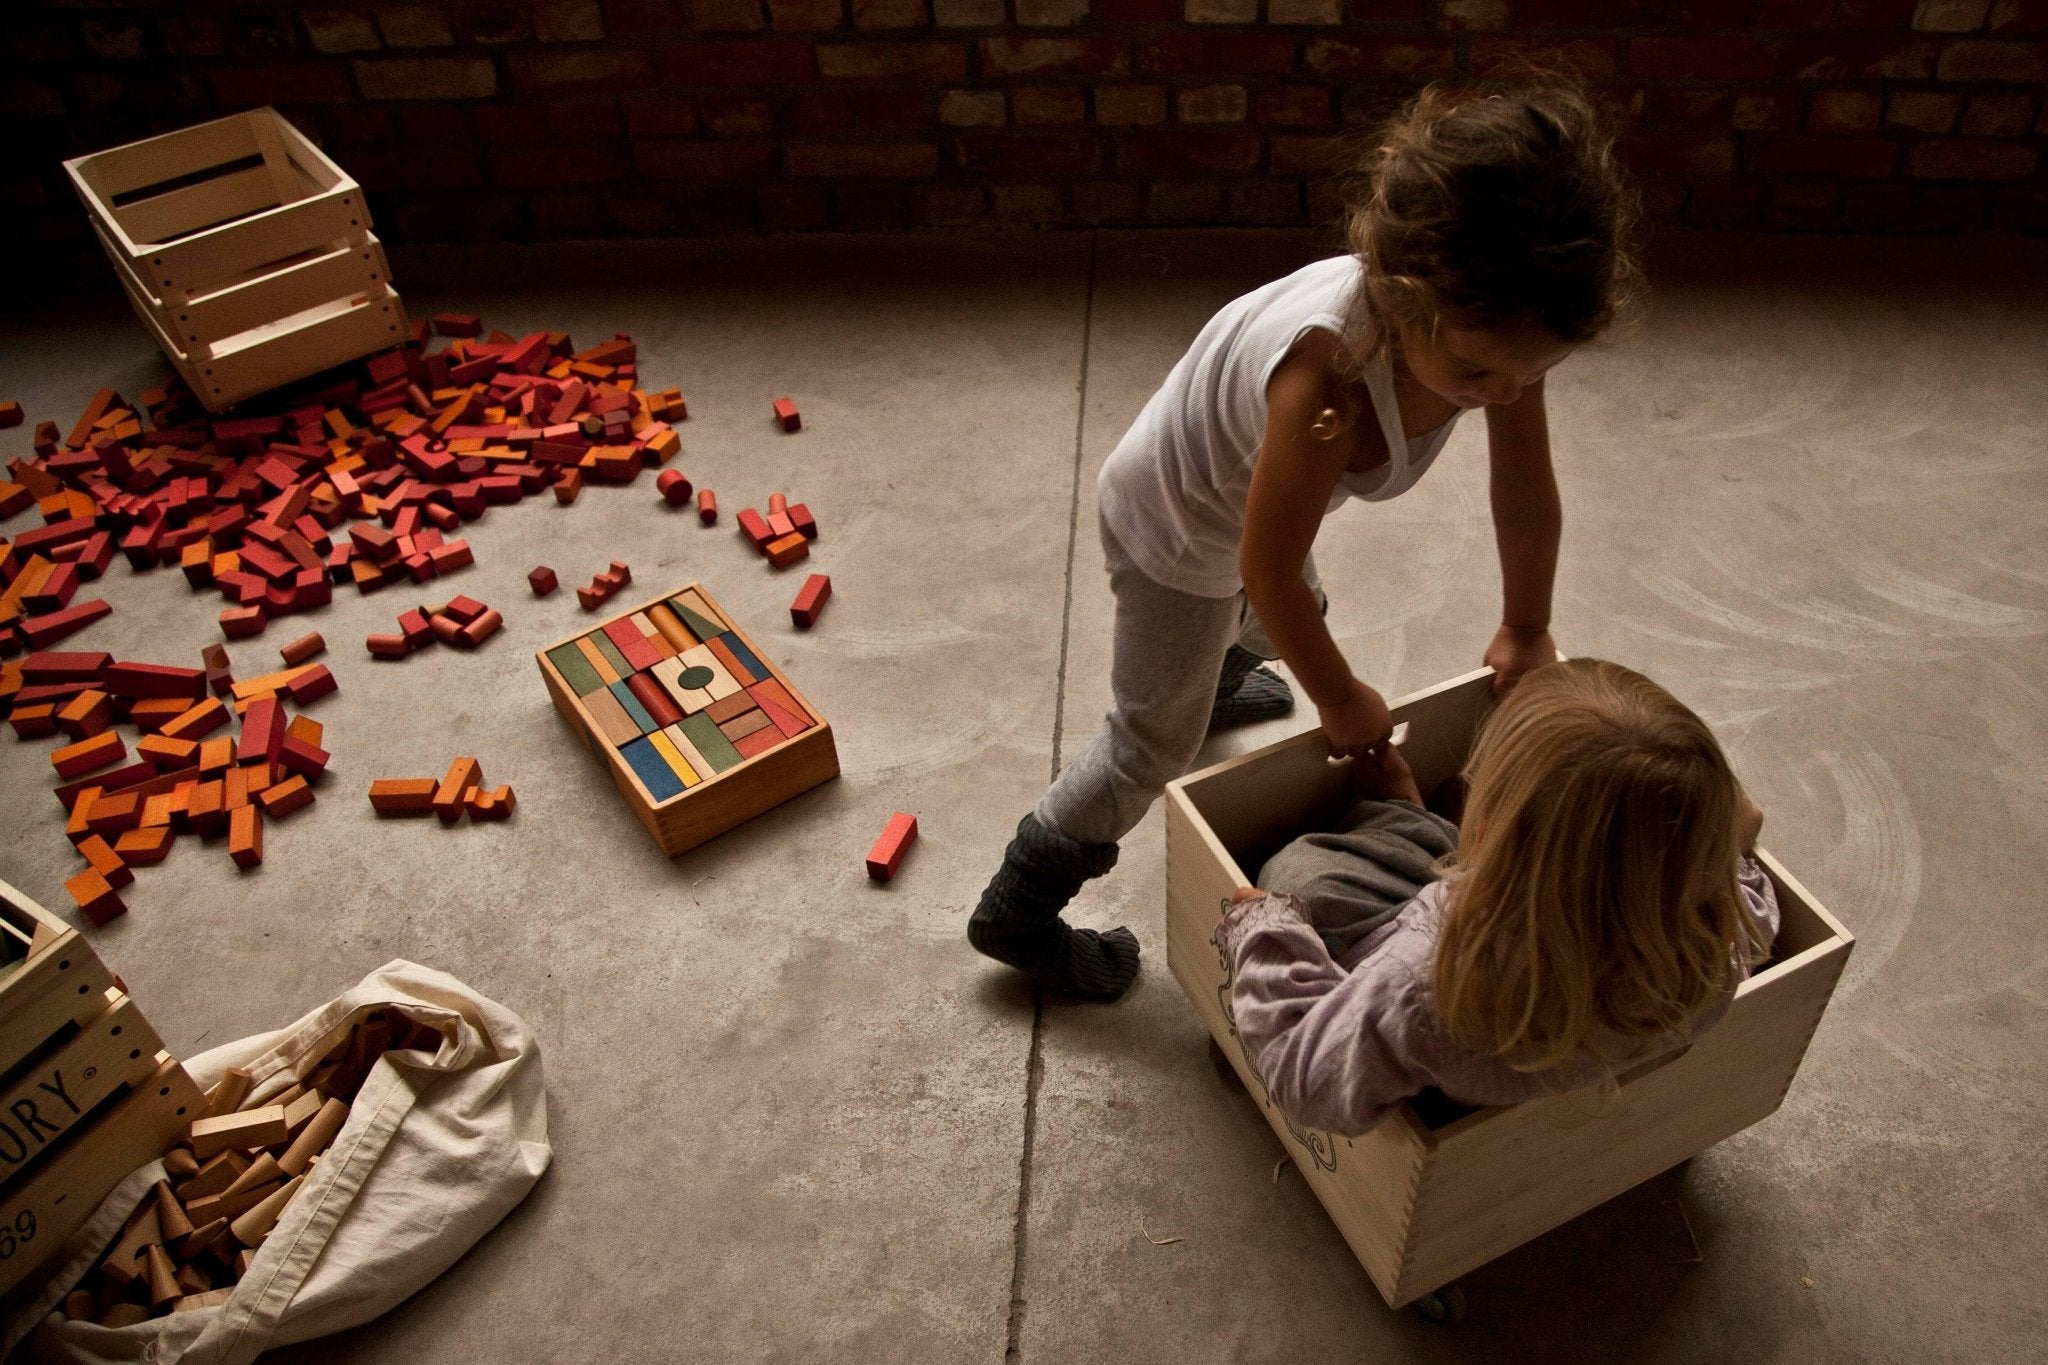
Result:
[[655, 774], [746, 656], [635, 710]]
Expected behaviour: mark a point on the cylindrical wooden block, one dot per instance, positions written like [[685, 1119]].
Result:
[[314, 1137]]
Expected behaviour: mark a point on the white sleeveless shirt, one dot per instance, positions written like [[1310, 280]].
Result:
[[1173, 491]]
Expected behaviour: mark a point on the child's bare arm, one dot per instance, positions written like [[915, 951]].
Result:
[[1528, 521], [1291, 485]]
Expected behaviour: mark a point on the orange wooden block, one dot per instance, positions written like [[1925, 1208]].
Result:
[[403, 795], [85, 715], [305, 730], [106, 860], [151, 714], [463, 776], [96, 899], [96, 752], [493, 805], [784, 551], [887, 854], [303, 648], [166, 752], [285, 797], [145, 847], [245, 836], [198, 721], [216, 755]]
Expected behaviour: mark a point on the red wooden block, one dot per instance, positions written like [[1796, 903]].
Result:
[[302, 649], [655, 698], [542, 580], [779, 707], [106, 861], [786, 414], [591, 597], [674, 487], [238, 623], [94, 752], [567, 485], [10, 414], [414, 628], [458, 325], [759, 742], [887, 854], [620, 573], [53, 626], [53, 666], [464, 609], [307, 760], [284, 798], [153, 680], [810, 600], [311, 685], [387, 646], [707, 506], [779, 525], [201, 719], [800, 517], [639, 652], [481, 629], [755, 528], [262, 731]]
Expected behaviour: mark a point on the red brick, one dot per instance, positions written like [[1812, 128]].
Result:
[[1130, 104], [908, 160], [556, 165], [1692, 105], [1228, 54], [1843, 111], [1863, 158], [1586, 57], [921, 61], [1702, 59], [1960, 158], [1980, 60], [692, 160], [888, 13], [1774, 111], [868, 207], [947, 205], [804, 14], [1890, 14], [1998, 115], [738, 114], [1138, 12], [1587, 13], [661, 116], [1107, 201], [1265, 201], [724, 16], [1924, 111], [1293, 105], [1836, 58], [1029, 155], [841, 111], [788, 207], [332, 30], [1677, 153], [641, 16], [580, 69], [1050, 104], [427, 78], [1051, 56], [1184, 202], [1378, 56], [739, 63], [2019, 16], [1305, 155], [285, 83], [1187, 153]]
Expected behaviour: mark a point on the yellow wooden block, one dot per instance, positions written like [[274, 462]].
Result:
[[674, 758]]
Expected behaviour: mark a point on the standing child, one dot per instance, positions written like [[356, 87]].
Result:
[[1489, 238]]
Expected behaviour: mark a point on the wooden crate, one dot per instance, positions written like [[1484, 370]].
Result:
[[246, 252], [714, 801], [1426, 1197], [86, 1092]]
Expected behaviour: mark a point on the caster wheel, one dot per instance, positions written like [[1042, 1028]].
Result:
[[1445, 1305]]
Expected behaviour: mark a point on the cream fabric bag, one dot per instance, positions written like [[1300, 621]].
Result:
[[436, 1150]]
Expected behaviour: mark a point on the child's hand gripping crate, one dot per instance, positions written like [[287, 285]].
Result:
[[86, 1092], [1419, 1204], [246, 252]]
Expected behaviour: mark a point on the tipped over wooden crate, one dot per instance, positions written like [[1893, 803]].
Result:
[[87, 1093], [1435, 1191], [246, 252]]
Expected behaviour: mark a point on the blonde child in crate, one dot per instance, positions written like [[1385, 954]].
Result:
[[1598, 903], [1489, 237]]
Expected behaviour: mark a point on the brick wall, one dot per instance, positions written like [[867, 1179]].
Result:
[[488, 119]]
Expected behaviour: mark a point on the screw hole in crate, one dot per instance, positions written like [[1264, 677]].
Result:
[[163, 1091], [181, 1111], [117, 1031], [83, 989], [133, 1053], [64, 964]]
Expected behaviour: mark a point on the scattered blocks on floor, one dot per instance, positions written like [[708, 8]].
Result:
[[786, 415], [887, 854], [542, 580], [810, 600]]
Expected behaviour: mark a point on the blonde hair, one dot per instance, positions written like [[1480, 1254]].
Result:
[[1593, 888], [1492, 207]]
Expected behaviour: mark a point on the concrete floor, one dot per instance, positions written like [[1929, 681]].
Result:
[[796, 1119]]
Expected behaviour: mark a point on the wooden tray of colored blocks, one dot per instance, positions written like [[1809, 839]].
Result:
[[700, 732]]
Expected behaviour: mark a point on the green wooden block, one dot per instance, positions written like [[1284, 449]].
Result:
[[575, 669], [634, 709], [611, 653], [711, 742], [699, 627]]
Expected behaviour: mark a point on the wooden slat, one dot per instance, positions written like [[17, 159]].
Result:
[[151, 222], [341, 273], [118, 170], [293, 353], [116, 1048], [197, 263]]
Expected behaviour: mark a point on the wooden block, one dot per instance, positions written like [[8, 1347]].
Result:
[[262, 732], [387, 646], [303, 648], [95, 898], [145, 847], [660, 707], [10, 414], [806, 525], [216, 755], [97, 751], [542, 580], [180, 1164], [170, 1217], [576, 670], [263, 1171], [634, 710], [779, 524], [480, 630], [105, 860], [79, 1306], [403, 795], [780, 707], [568, 484], [245, 837], [887, 854], [727, 650], [717, 750], [615, 662], [707, 506], [755, 528], [239, 623], [738, 703], [675, 489], [749, 723], [314, 1137], [89, 713], [244, 1131], [227, 1094], [700, 616], [786, 550], [610, 718], [168, 753], [226, 1208], [285, 797], [678, 762], [198, 721], [457, 325], [304, 729], [497, 804], [758, 743], [786, 415], [810, 600], [464, 775], [652, 769], [213, 1177], [671, 628], [163, 1277]]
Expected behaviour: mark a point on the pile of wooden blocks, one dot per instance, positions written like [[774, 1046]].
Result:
[[90, 1093], [362, 482], [127, 807], [458, 792], [195, 1235], [698, 731], [461, 622], [783, 536]]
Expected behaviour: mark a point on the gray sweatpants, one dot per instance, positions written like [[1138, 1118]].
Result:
[[1167, 651]]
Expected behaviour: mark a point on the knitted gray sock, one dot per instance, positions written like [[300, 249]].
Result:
[[1018, 920], [1255, 693]]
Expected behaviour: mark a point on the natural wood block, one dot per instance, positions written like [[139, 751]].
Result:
[[246, 1130], [733, 788], [1424, 1199]]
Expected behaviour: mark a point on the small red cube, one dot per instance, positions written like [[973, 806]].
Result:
[[542, 580], [786, 414]]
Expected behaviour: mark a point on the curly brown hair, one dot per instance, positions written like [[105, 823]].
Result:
[[1493, 208]]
